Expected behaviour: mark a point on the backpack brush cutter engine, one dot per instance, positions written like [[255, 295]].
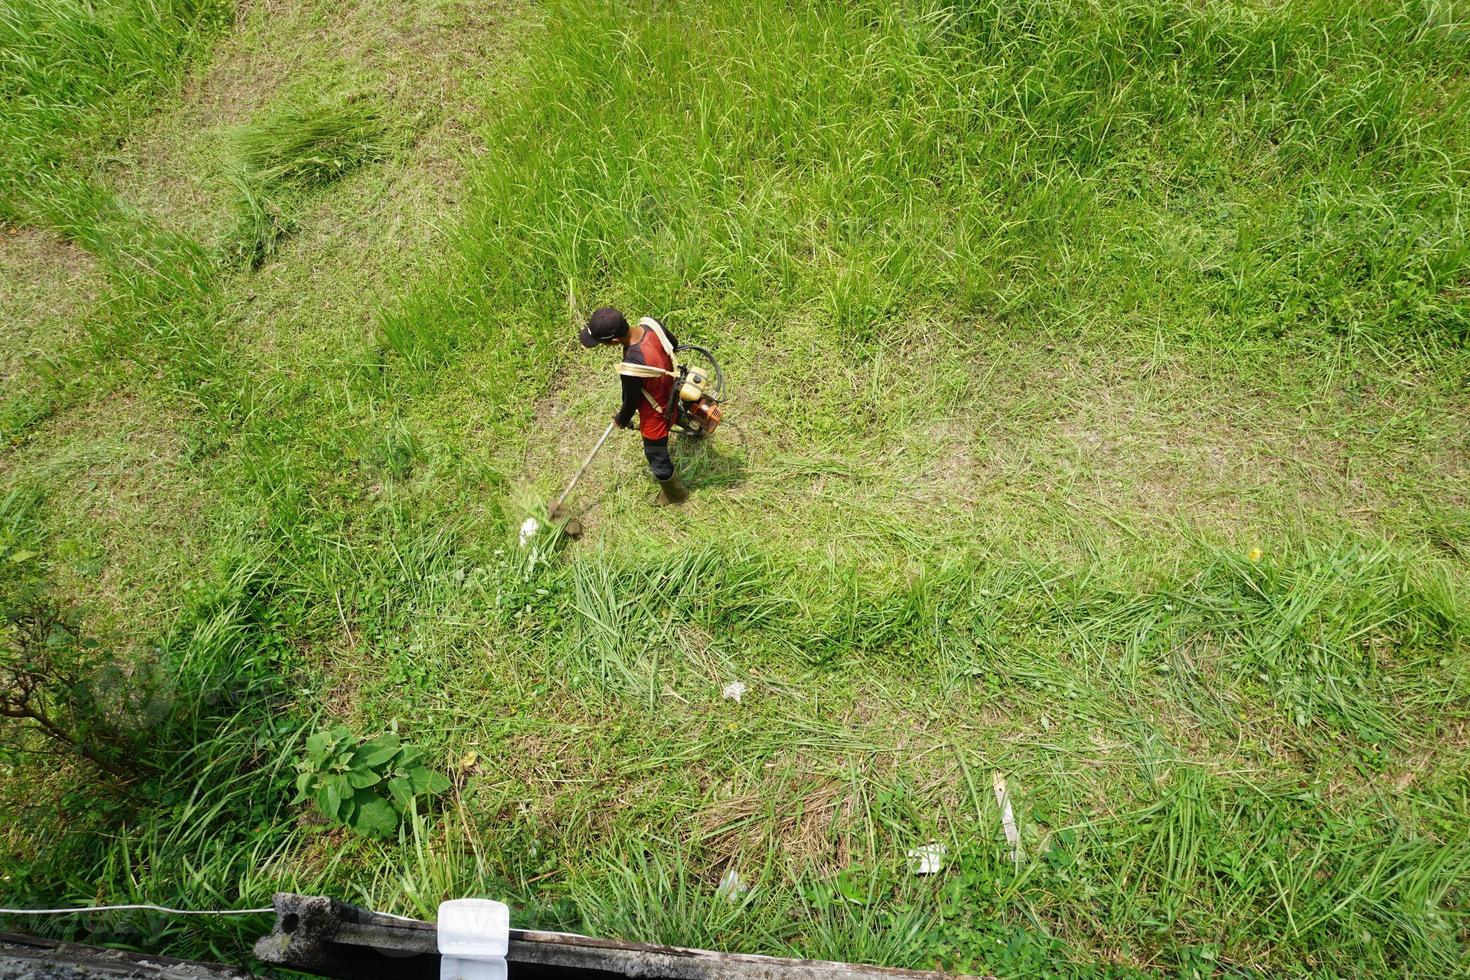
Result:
[[696, 410]]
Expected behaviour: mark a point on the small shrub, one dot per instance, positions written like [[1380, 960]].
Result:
[[55, 681], [367, 787]]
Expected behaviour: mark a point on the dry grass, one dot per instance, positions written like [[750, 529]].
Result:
[[128, 512], [805, 817], [47, 287]]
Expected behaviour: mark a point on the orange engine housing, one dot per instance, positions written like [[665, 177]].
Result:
[[707, 414]]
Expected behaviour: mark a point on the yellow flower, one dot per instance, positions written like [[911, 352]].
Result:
[[1255, 554]]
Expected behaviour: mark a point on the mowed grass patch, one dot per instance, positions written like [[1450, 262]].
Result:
[[144, 299], [298, 148], [411, 60], [47, 291], [297, 332], [125, 514], [172, 325], [48, 288], [1048, 443], [829, 235]]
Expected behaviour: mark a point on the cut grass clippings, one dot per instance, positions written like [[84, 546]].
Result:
[[298, 147]]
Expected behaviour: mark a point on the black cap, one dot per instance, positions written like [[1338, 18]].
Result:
[[603, 325]]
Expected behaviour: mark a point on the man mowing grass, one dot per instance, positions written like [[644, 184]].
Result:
[[648, 345]]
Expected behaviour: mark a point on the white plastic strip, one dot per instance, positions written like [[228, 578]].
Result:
[[1007, 818], [474, 927]]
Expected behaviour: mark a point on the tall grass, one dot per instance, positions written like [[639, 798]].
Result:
[[862, 163], [73, 77], [73, 74], [1124, 689], [206, 822]]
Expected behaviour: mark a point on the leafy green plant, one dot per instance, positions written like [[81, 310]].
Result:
[[368, 787]]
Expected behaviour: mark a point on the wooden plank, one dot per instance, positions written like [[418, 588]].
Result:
[[33, 958], [680, 963]]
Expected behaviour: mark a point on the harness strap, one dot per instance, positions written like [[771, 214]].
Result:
[[642, 370], [649, 323], [648, 370]]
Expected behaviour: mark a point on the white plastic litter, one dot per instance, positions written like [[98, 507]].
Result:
[[529, 527], [733, 690], [732, 886], [1007, 818], [927, 860], [474, 936]]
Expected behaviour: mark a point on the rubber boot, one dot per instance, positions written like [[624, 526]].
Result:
[[671, 491]]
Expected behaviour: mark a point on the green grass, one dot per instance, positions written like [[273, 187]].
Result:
[[1097, 418], [299, 147], [310, 146], [75, 74]]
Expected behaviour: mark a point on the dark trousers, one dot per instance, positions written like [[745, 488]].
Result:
[[657, 453]]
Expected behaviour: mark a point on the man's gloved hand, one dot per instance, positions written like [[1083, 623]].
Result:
[[621, 425]]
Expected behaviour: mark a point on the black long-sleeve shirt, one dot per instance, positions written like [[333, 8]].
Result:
[[633, 387]]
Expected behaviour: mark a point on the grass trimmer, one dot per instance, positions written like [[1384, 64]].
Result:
[[573, 527]]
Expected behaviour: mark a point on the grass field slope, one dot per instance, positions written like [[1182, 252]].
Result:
[[1098, 423]]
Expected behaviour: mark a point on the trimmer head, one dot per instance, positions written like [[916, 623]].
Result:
[[569, 525]]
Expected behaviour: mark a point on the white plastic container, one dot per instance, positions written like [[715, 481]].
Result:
[[474, 937]]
